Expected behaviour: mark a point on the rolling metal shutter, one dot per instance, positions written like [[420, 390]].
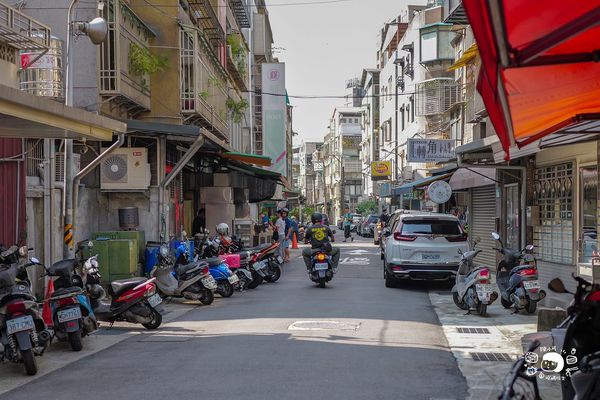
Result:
[[482, 224]]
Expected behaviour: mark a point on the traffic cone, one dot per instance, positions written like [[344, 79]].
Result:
[[46, 311], [294, 241]]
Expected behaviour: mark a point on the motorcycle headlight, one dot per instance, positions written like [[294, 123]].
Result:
[[164, 250]]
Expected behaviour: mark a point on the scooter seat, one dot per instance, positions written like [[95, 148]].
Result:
[[213, 262], [62, 268], [182, 269], [118, 287], [71, 291]]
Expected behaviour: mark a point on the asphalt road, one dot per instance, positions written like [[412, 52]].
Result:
[[354, 339]]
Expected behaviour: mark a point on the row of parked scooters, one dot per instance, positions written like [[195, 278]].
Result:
[[78, 300], [516, 277]]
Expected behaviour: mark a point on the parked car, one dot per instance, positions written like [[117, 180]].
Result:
[[422, 246], [368, 226]]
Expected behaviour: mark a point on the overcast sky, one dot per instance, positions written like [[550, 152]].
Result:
[[322, 46]]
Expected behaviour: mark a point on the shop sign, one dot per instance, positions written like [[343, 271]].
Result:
[[430, 150], [381, 170]]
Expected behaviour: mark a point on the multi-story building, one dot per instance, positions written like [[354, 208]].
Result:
[[342, 164], [307, 170], [296, 169], [417, 93], [370, 140]]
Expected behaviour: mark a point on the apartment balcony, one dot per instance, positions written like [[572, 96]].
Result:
[[203, 13], [436, 96], [121, 80], [352, 166], [237, 61], [454, 12], [203, 85], [239, 8], [21, 32]]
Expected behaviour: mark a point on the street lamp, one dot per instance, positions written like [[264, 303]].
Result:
[[96, 30]]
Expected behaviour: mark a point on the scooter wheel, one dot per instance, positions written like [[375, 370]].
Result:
[[207, 297], [460, 304], [322, 283], [75, 341], [29, 361], [531, 307], [155, 322], [505, 303], [275, 276], [225, 289], [482, 309]]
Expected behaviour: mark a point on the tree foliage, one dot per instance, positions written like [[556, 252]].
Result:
[[366, 207]]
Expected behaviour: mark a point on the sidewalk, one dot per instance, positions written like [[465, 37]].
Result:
[[499, 340], [60, 355]]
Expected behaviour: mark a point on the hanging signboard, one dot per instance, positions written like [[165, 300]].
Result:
[[318, 166], [381, 170], [439, 192], [273, 114], [430, 150]]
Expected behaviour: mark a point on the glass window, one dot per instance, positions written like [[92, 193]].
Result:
[[430, 227], [436, 43]]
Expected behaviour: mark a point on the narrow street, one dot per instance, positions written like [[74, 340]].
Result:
[[353, 340]]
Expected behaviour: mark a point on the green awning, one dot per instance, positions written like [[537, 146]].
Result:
[[254, 171]]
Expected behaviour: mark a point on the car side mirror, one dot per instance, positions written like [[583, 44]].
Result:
[[557, 286], [387, 232]]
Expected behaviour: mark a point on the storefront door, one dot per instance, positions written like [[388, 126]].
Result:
[[587, 238], [512, 216]]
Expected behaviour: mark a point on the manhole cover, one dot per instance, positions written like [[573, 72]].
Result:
[[473, 331], [491, 357], [324, 326]]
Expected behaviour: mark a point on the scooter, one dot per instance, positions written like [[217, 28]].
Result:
[[267, 262], [191, 281], [321, 270], [133, 300], [209, 250], [517, 278], [72, 313], [472, 290], [23, 333]]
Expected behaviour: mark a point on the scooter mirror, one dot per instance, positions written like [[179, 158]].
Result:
[[34, 260], [529, 247], [557, 286], [495, 236]]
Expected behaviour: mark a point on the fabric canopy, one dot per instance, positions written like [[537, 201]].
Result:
[[468, 56], [248, 158], [540, 70]]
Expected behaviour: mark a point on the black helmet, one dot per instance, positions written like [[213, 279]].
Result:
[[316, 218]]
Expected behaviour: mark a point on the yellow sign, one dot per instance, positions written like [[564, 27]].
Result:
[[381, 170]]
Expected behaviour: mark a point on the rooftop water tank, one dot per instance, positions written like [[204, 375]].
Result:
[[42, 74]]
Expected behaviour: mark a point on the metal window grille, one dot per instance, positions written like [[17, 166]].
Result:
[[436, 96], [187, 79], [553, 233]]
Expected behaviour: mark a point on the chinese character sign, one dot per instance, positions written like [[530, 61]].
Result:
[[430, 150], [273, 113]]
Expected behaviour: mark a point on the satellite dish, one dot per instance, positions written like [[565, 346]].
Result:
[[96, 29], [439, 192]]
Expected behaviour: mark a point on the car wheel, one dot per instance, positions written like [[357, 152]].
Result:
[[390, 282]]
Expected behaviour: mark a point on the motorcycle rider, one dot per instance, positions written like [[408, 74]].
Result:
[[384, 217], [319, 236]]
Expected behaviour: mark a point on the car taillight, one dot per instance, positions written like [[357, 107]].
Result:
[[528, 272], [16, 308], [321, 257], [397, 268], [66, 301], [459, 238], [404, 238]]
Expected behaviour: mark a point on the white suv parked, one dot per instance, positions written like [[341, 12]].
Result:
[[423, 246]]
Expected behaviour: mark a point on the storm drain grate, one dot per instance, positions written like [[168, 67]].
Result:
[[491, 357], [473, 331]]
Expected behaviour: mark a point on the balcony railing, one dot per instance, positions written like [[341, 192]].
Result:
[[204, 14], [203, 85], [117, 82], [240, 11], [237, 61], [21, 31]]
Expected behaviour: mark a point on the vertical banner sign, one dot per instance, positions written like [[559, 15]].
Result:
[[273, 114]]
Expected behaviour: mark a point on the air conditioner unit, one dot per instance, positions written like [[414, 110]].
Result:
[[125, 169], [59, 166], [407, 173]]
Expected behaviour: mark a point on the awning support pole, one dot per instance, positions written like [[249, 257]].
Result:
[[88, 168]]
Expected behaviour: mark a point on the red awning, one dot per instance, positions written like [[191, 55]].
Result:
[[540, 70]]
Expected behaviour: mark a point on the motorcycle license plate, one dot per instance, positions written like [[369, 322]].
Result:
[[209, 283], [531, 284], [19, 324], [279, 259], [260, 265], [321, 266], [69, 314], [154, 300], [233, 279], [484, 288]]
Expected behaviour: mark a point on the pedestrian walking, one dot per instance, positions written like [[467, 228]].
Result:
[[282, 235], [347, 224]]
